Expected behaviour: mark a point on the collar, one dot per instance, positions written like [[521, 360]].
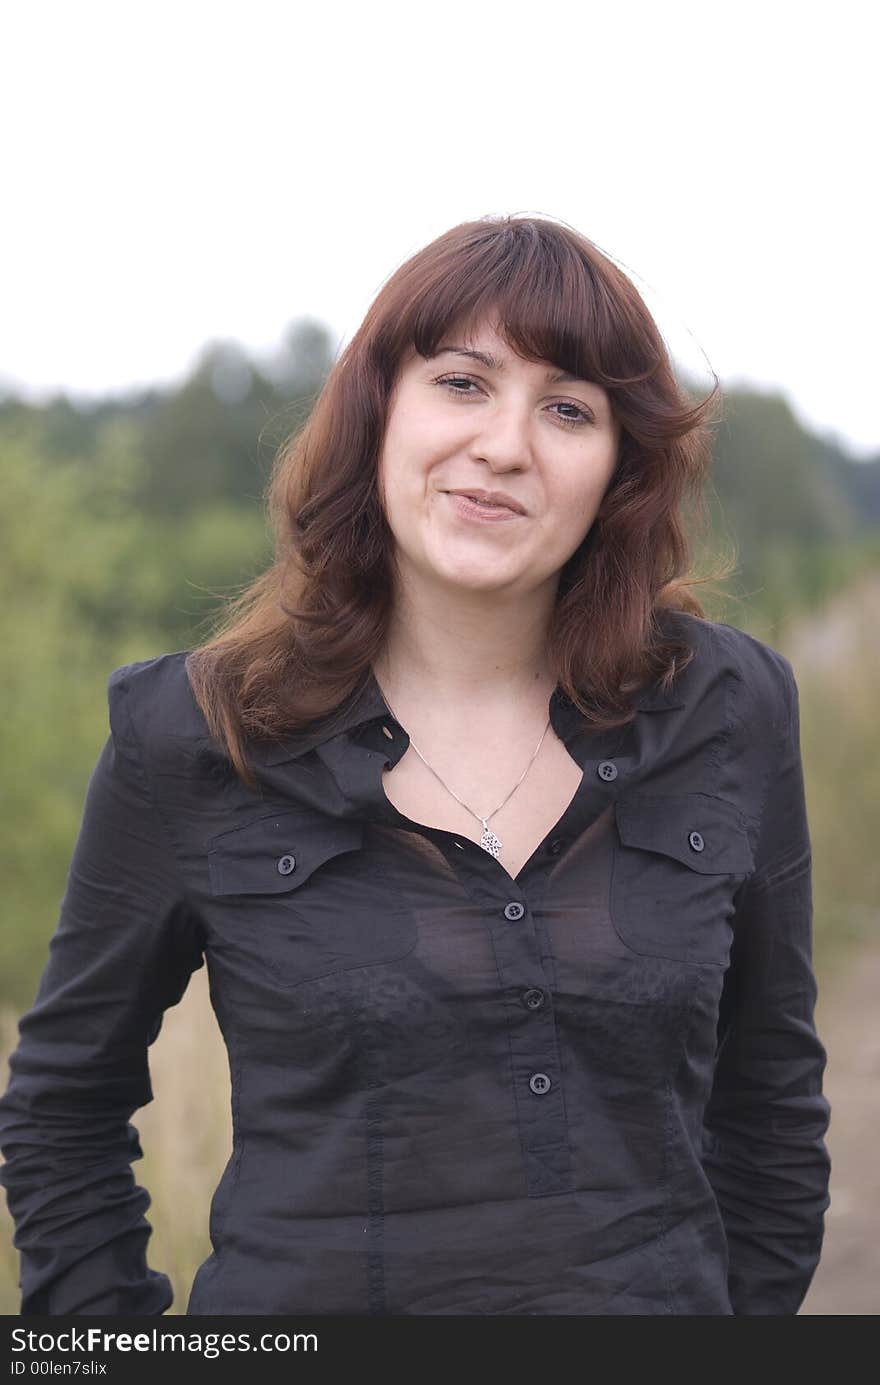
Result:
[[366, 704], [657, 699]]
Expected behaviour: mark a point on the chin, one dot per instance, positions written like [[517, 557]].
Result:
[[462, 570], [474, 581]]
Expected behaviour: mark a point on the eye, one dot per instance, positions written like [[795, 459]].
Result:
[[451, 380], [583, 415]]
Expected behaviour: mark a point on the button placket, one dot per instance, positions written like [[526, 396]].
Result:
[[534, 1041]]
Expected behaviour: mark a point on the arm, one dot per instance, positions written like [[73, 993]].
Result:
[[764, 1150], [123, 951]]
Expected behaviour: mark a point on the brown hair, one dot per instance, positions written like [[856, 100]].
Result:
[[293, 645]]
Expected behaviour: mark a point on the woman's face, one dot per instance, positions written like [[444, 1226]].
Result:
[[458, 423]]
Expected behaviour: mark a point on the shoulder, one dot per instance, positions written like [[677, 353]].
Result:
[[763, 685], [152, 707]]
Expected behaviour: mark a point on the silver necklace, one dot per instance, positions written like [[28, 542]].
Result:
[[488, 841]]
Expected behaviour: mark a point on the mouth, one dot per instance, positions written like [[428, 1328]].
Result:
[[491, 499], [474, 508]]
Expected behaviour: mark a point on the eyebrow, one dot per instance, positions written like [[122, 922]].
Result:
[[492, 363]]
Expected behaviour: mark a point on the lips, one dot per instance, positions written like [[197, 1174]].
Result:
[[470, 512], [491, 500]]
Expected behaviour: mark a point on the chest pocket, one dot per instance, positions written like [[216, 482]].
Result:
[[678, 861], [302, 891]]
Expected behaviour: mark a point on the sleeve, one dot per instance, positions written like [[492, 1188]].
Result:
[[765, 1122], [124, 948]]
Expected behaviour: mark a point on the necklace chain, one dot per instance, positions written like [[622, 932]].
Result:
[[488, 841]]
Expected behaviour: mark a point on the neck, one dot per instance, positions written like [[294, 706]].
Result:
[[476, 651]]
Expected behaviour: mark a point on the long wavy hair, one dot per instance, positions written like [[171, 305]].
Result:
[[292, 646]]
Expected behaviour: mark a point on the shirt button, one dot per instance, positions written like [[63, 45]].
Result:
[[514, 910], [539, 1083], [533, 998], [554, 847], [607, 770], [286, 865], [696, 841]]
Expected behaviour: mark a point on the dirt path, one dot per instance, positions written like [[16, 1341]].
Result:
[[848, 1278], [828, 638]]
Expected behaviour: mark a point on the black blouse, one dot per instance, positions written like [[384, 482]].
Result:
[[592, 1089]]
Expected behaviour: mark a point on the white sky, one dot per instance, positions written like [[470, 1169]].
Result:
[[177, 172]]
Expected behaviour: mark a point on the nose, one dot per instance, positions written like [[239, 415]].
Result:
[[504, 438]]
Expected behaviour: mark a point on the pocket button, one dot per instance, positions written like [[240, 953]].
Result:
[[696, 841], [286, 864]]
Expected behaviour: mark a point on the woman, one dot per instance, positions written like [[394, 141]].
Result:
[[495, 848]]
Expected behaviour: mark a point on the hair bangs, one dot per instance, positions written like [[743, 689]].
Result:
[[545, 296]]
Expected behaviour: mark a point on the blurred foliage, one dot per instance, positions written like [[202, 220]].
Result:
[[127, 522]]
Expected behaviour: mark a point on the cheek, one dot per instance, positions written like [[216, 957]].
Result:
[[579, 501], [601, 470], [395, 464], [401, 482], [412, 468]]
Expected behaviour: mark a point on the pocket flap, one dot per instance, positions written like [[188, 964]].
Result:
[[708, 834], [276, 854]]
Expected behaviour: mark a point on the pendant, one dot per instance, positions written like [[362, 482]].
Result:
[[489, 842]]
